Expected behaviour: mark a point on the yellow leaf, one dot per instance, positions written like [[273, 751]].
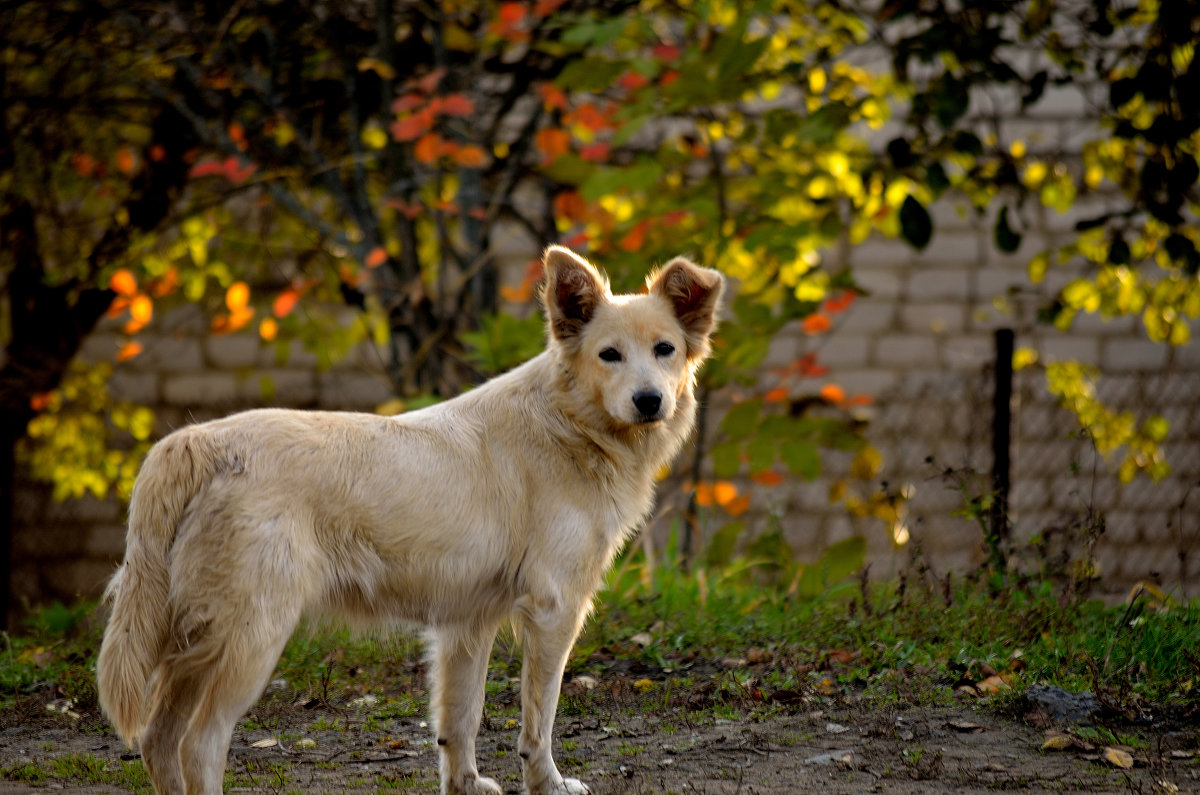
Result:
[[268, 328], [1058, 742], [644, 685], [374, 137], [866, 463], [1117, 758], [1024, 357]]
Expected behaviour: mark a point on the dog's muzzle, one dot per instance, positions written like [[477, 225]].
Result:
[[648, 405]]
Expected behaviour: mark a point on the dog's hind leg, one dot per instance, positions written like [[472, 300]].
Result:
[[230, 687], [460, 662], [548, 633]]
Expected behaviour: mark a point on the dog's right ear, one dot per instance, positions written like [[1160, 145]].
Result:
[[573, 290]]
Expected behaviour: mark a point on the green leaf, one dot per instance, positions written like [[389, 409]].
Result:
[[801, 458], [843, 559], [761, 453], [726, 459], [915, 224], [741, 420], [723, 543], [1007, 240]]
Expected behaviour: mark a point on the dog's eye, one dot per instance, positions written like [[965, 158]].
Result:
[[610, 355], [664, 349]]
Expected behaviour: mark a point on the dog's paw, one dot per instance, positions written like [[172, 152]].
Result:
[[480, 785], [568, 786]]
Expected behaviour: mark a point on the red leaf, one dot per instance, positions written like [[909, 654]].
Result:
[[407, 102], [665, 52], [595, 153], [456, 105], [631, 81], [429, 83], [412, 127]]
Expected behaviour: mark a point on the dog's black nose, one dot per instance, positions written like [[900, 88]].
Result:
[[648, 404]]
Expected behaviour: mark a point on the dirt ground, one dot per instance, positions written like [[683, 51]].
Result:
[[837, 744]]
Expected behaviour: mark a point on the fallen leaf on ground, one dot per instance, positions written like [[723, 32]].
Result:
[[993, 684], [1117, 758], [965, 726], [270, 742], [1061, 741], [844, 756]]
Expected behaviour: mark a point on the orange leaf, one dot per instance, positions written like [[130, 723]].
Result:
[[456, 105], [165, 284], [285, 302], [428, 148], [768, 478], [141, 309], [238, 318], [470, 156], [123, 283], [552, 97], [635, 239], [705, 497], [517, 295], [268, 328], [119, 305], [237, 296], [126, 162], [544, 8], [41, 401], [738, 506], [553, 143], [833, 393], [570, 206], [377, 257], [84, 164], [129, 350], [817, 323], [840, 303], [724, 492], [776, 395]]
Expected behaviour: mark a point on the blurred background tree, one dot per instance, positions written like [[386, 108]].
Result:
[[257, 157]]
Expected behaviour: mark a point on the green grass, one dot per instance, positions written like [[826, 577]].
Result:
[[896, 642]]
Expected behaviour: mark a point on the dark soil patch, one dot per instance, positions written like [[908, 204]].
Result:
[[619, 739]]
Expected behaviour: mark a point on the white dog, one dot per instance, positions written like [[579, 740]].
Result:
[[505, 503]]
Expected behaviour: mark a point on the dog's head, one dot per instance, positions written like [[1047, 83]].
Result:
[[634, 356]]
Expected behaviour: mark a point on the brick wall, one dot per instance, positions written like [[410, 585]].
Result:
[[921, 344]]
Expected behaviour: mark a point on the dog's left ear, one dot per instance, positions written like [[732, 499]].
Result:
[[694, 294]]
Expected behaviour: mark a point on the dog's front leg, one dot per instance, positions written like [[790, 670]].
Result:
[[548, 636], [460, 663]]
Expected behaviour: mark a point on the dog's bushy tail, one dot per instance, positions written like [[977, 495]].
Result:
[[139, 625]]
